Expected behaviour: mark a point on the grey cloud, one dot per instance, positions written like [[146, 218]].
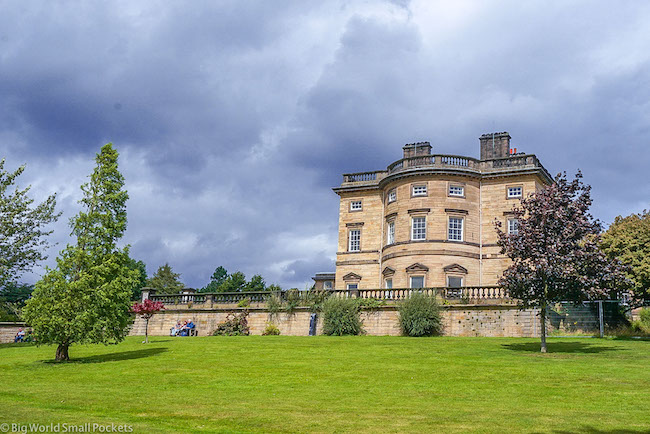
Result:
[[235, 119]]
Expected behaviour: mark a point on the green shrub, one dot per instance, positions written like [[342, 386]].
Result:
[[271, 330], [341, 316], [644, 317], [371, 304], [274, 306], [234, 325], [419, 315], [315, 300], [244, 302], [293, 300]]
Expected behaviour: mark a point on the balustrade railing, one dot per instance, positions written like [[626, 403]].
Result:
[[512, 162], [364, 176], [442, 161], [464, 294]]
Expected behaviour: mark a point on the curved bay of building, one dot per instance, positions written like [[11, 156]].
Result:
[[430, 223]]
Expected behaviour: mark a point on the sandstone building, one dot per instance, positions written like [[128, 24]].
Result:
[[428, 220]]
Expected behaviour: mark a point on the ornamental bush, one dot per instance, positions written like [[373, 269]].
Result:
[[234, 325], [419, 315], [341, 316], [271, 330]]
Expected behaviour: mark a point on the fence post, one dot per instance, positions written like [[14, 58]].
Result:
[[600, 318]]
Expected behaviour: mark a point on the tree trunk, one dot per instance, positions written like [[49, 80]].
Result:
[[62, 353], [543, 326], [146, 330]]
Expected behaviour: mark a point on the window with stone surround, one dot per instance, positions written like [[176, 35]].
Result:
[[356, 205], [419, 190], [352, 286], [513, 227], [454, 282], [456, 190], [455, 229], [417, 281], [390, 233], [354, 240], [388, 283], [392, 195], [418, 228], [515, 192], [328, 284]]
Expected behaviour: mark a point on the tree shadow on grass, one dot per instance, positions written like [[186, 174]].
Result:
[[592, 430], [560, 347], [114, 357]]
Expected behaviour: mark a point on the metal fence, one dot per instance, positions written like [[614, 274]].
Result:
[[589, 318]]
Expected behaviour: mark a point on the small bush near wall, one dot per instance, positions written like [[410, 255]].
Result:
[[235, 325], [341, 316], [271, 330], [644, 317], [419, 315]]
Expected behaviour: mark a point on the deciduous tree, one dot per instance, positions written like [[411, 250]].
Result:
[[141, 268], [23, 233], [555, 254], [146, 310], [86, 298], [628, 239]]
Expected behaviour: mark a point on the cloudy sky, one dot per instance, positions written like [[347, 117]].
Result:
[[234, 119]]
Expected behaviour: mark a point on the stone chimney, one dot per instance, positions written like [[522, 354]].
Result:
[[495, 145], [417, 149]]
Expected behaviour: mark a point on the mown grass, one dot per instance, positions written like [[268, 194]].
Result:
[[334, 384]]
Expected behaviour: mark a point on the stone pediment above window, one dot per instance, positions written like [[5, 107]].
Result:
[[388, 271], [416, 267], [455, 268], [351, 276]]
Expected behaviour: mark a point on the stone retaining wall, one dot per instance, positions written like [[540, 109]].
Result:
[[459, 320], [8, 331]]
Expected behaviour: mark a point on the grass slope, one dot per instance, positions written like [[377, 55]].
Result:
[[326, 384]]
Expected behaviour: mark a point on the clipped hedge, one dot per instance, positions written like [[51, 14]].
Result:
[[341, 316], [419, 315]]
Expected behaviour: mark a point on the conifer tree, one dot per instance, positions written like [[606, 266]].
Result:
[[165, 280], [86, 298]]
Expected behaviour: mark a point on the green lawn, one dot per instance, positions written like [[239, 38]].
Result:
[[331, 384]]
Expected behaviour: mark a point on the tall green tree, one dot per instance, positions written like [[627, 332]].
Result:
[[141, 268], [165, 280], [256, 283], [86, 298], [234, 283], [220, 274], [555, 254], [628, 239], [12, 300], [23, 233]]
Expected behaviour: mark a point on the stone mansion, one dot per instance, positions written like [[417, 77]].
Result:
[[428, 219]]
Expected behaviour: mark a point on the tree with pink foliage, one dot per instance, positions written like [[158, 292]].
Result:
[[146, 311], [554, 250]]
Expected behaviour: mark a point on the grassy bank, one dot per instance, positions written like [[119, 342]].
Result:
[[288, 384]]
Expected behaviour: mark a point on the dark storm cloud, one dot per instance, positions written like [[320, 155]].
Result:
[[234, 119]]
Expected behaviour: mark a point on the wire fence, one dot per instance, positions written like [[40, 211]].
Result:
[[588, 318]]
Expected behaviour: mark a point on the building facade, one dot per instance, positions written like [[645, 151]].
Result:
[[429, 220]]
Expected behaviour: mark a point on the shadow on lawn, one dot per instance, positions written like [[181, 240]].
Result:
[[560, 347], [592, 430], [115, 357]]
